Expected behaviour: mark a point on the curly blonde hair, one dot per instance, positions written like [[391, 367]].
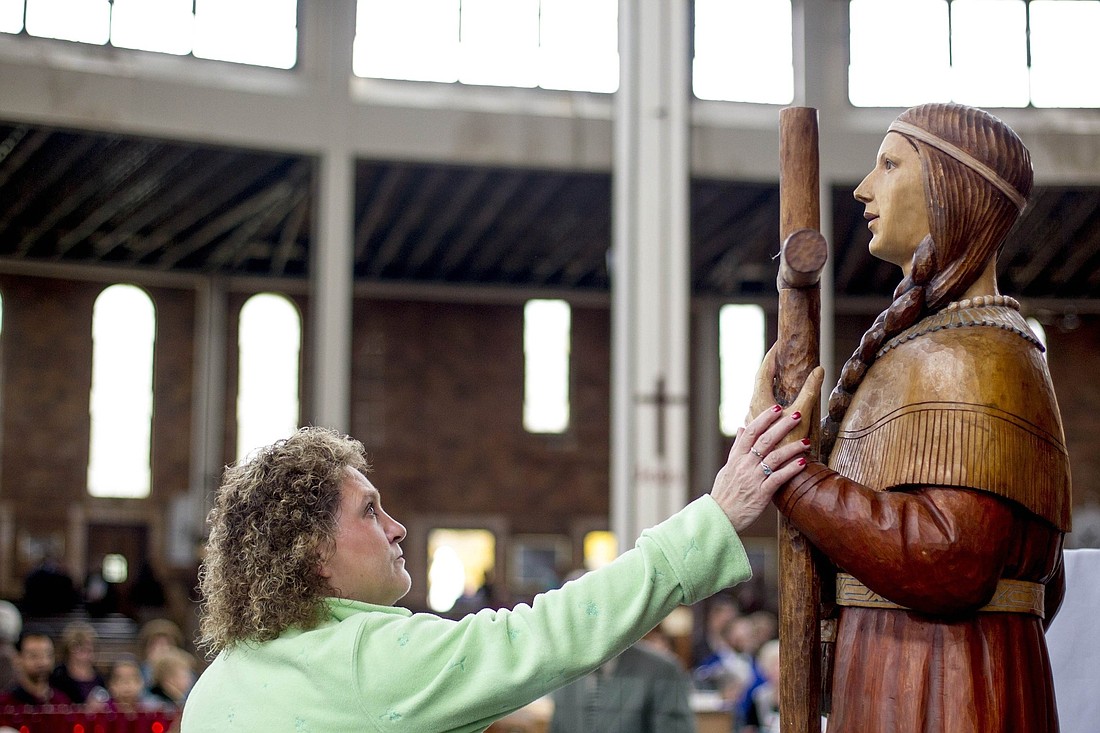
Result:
[[273, 522]]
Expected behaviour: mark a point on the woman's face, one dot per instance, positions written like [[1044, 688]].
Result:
[[895, 208], [367, 563]]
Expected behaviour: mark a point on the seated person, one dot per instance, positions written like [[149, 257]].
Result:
[[155, 636], [643, 690], [173, 676], [763, 714], [127, 688], [11, 623], [34, 661], [77, 676]]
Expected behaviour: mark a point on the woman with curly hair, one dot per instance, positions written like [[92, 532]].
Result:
[[304, 566], [947, 492]]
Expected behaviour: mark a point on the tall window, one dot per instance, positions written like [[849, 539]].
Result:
[[740, 351], [269, 343], [553, 44], [993, 53], [546, 337], [258, 32], [123, 336], [743, 51]]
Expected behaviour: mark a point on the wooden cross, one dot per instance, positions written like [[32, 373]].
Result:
[[660, 398]]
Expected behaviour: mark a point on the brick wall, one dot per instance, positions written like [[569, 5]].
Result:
[[436, 391]]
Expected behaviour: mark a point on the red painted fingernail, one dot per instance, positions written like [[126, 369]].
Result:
[[796, 415], [776, 408], [802, 461], [805, 441]]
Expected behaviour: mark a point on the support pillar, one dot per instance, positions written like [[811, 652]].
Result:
[[650, 281], [328, 57]]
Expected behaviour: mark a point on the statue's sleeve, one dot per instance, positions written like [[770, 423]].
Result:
[[934, 550]]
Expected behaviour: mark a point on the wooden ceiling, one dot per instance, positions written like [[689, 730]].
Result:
[[101, 199]]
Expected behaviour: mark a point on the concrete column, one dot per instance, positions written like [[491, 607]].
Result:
[[706, 434], [820, 34], [187, 513], [209, 398], [326, 56], [649, 268]]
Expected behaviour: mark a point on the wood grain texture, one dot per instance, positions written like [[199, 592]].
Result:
[[797, 352]]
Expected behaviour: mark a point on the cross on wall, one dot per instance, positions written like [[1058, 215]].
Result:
[[660, 398]]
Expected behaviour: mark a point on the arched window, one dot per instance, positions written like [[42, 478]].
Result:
[[740, 351], [123, 335], [269, 342]]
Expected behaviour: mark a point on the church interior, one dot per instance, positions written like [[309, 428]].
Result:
[[408, 224]]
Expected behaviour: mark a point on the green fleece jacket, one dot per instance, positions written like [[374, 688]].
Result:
[[379, 668]]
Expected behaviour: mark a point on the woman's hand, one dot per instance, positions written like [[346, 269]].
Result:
[[761, 460]]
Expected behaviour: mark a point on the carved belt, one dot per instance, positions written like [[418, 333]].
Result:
[[1011, 596]]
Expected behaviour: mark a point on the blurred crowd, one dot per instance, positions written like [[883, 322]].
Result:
[[37, 669], [736, 660]]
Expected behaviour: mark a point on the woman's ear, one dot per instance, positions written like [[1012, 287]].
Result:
[[321, 567]]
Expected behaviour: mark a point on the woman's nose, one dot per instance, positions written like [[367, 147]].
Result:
[[398, 530]]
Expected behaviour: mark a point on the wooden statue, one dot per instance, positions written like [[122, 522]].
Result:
[[947, 489]]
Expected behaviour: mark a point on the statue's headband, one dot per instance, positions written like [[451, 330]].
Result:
[[963, 157]]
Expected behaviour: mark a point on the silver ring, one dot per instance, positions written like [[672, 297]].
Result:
[[756, 453], [766, 469]]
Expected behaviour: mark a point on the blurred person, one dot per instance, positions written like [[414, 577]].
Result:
[[146, 599], [173, 676], [720, 610], [34, 662], [101, 596], [154, 637], [11, 624], [76, 675], [643, 690], [763, 713], [730, 670], [127, 688], [48, 590]]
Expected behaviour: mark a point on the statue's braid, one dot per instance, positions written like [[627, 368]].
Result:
[[908, 307]]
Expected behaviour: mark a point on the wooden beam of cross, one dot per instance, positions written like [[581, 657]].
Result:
[[660, 399]]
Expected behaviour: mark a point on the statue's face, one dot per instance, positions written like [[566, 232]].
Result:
[[893, 194]]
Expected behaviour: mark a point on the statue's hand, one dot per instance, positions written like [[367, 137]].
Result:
[[763, 395], [807, 401], [809, 397]]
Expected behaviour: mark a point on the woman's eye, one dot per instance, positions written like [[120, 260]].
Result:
[[371, 510]]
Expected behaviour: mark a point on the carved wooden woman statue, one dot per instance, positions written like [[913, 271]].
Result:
[[947, 489]]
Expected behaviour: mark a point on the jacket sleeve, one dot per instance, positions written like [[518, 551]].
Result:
[[935, 550], [461, 675]]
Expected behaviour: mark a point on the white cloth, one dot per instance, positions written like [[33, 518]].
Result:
[[1074, 644]]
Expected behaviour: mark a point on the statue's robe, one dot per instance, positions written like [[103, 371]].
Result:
[[951, 474]]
